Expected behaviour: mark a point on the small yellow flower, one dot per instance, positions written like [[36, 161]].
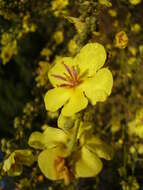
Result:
[[46, 52], [112, 12], [14, 163], [135, 127], [116, 23], [79, 25], [132, 60], [6, 38], [106, 3], [133, 50], [79, 80], [56, 143], [135, 2], [27, 25], [8, 51], [121, 40], [72, 46], [58, 37], [136, 28], [42, 73], [58, 6]]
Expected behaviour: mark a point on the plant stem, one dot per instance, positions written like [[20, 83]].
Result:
[[74, 137]]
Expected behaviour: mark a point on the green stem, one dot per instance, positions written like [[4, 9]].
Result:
[[74, 137], [124, 151]]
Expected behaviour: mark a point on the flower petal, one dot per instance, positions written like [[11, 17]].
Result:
[[24, 157], [76, 103], [56, 98], [51, 137], [46, 162], [11, 166], [54, 137], [9, 162], [36, 140], [98, 147], [59, 69], [88, 164], [98, 87], [14, 163], [91, 58], [66, 123]]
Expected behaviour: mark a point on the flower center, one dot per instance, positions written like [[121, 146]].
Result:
[[70, 78], [61, 170]]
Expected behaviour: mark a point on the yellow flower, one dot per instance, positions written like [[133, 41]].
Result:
[[58, 37], [6, 38], [79, 25], [72, 46], [132, 60], [135, 127], [88, 163], [79, 80], [121, 40], [46, 52], [14, 163], [53, 143], [42, 73], [136, 28], [133, 50], [58, 6], [8, 51], [59, 161], [27, 25], [106, 3], [112, 12], [135, 2]]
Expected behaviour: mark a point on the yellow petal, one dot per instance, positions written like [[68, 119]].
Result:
[[66, 123], [16, 170], [97, 146], [54, 137], [51, 137], [85, 128], [88, 164], [24, 157], [11, 167], [9, 162], [56, 98], [91, 58], [59, 69], [14, 163], [98, 87], [36, 140], [46, 161], [76, 103]]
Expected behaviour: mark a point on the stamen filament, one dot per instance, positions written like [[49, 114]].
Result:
[[68, 70], [74, 71], [71, 77], [68, 77], [59, 77]]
